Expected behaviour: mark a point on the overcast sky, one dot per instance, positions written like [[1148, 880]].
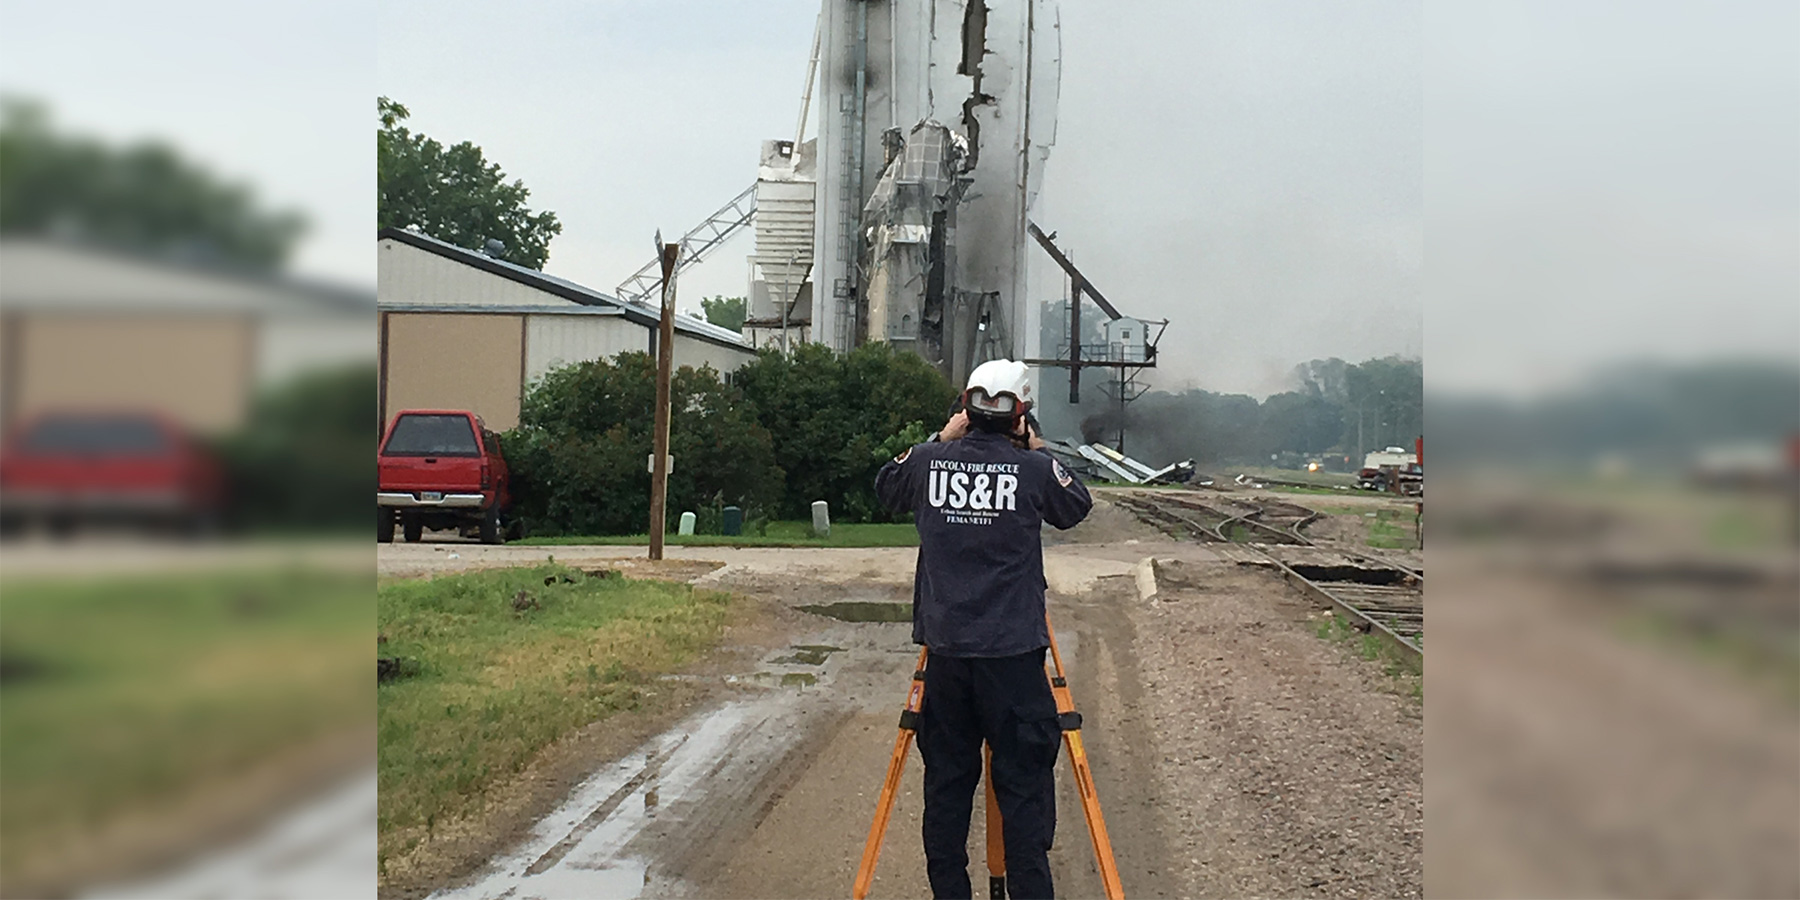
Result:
[[1605, 179], [1609, 180], [272, 94], [1250, 171]]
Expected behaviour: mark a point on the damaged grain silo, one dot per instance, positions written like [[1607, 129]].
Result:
[[935, 119]]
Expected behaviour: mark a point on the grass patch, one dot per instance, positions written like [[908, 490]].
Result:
[[1318, 479], [1762, 655], [1159, 486], [1746, 525], [497, 684], [1397, 665], [1294, 489], [121, 695], [1343, 509], [1392, 529], [778, 534]]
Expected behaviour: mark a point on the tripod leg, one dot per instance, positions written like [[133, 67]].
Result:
[[996, 839], [1084, 776], [890, 788]]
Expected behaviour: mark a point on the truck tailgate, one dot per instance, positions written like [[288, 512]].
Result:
[[461, 474]]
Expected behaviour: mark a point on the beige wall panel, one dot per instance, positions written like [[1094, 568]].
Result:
[[455, 361], [552, 341], [9, 376], [292, 346], [695, 352], [406, 274], [198, 369]]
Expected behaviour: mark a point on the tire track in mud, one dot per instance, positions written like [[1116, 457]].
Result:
[[700, 845], [808, 841], [652, 768]]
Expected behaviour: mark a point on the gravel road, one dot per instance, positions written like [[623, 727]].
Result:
[[1235, 752]]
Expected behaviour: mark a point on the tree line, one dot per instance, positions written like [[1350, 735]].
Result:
[[1336, 412], [1656, 414]]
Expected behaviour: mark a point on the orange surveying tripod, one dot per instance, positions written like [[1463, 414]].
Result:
[[996, 845]]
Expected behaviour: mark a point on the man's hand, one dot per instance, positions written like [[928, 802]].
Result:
[[1027, 437], [1032, 440], [955, 428]]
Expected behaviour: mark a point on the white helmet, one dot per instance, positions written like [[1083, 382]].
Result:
[[999, 388]]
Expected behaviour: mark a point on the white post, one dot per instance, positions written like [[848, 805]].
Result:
[[821, 518]]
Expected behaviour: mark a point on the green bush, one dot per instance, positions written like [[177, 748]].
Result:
[[302, 460], [785, 432], [834, 418], [578, 456]]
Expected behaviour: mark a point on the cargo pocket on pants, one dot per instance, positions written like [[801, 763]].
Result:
[[1038, 734]]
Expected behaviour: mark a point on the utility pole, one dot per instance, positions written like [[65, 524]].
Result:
[[1122, 401], [1075, 288], [1380, 426], [665, 355]]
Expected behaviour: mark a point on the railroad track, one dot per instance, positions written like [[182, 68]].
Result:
[[1386, 600], [1201, 523], [1280, 522]]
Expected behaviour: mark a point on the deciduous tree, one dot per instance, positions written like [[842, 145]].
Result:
[[454, 193], [144, 196], [726, 312]]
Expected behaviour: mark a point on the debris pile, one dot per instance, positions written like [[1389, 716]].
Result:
[[1100, 461]]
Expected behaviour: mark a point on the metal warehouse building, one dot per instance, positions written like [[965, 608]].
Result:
[[84, 327], [462, 330]]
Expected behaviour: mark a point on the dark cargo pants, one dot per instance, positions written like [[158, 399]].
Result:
[[1006, 702]]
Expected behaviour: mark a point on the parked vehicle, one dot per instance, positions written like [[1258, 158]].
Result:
[[440, 468], [70, 468], [1382, 469], [1408, 478]]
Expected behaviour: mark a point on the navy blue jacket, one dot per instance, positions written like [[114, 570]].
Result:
[[979, 503]]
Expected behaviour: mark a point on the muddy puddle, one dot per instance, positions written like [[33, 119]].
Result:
[[659, 822], [861, 611], [323, 848], [808, 654], [597, 843]]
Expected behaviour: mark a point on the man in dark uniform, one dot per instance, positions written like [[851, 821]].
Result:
[[979, 491]]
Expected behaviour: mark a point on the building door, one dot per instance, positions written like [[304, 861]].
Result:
[[466, 361]]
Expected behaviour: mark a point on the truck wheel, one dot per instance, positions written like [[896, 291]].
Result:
[[490, 526], [414, 528], [384, 525]]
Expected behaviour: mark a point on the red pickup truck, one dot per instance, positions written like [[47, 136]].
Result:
[[440, 468], [68, 468]]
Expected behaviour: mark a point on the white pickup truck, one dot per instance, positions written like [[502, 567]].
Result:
[[1393, 462]]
